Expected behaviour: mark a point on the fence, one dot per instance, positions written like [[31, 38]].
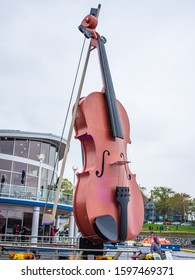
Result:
[[68, 248]]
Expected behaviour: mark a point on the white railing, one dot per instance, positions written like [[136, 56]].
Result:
[[30, 193], [68, 248], [20, 239]]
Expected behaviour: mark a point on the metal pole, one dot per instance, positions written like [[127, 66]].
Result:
[[49, 218]]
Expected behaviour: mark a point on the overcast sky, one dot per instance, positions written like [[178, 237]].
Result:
[[150, 48]]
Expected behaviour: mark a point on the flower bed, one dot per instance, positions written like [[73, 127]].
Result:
[[104, 258], [21, 256]]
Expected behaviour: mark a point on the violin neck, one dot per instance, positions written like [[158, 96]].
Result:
[[115, 121]]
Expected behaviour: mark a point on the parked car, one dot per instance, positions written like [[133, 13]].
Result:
[[186, 224], [176, 223], [167, 223]]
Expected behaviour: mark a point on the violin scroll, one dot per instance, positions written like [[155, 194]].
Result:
[[89, 24], [91, 20]]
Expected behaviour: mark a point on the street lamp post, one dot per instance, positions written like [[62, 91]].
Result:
[[74, 168], [41, 158], [73, 227]]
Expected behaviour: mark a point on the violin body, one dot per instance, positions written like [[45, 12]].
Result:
[[108, 204], [105, 168]]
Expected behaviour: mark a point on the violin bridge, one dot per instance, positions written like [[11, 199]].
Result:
[[120, 162]]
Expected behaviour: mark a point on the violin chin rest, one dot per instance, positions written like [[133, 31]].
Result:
[[105, 226]]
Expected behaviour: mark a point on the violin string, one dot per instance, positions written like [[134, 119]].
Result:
[[114, 114], [123, 168], [65, 121]]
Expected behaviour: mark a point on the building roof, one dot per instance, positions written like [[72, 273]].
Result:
[[56, 140]]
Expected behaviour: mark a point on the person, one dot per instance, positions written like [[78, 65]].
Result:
[[52, 234], [23, 233], [55, 229], [42, 187], [2, 227], [16, 231], [156, 247], [2, 182]]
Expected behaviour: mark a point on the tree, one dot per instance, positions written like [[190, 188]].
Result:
[[192, 206], [66, 186], [180, 203], [143, 189], [161, 196]]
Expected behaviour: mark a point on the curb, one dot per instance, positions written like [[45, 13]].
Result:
[[188, 250]]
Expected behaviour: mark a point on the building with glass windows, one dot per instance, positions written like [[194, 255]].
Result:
[[28, 172]]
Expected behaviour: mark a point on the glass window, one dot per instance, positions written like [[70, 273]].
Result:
[[11, 225], [6, 175], [14, 218], [52, 177], [16, 179], [44, 183], [45, 150], [15, 214], [33, 170], [2, 221], [19, 166], [52, 155], [21, 148], [5, 164], [44, 173], [6, 146], [27, 221], [32, 181], [34, 150]]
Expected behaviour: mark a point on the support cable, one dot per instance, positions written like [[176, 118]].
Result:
[[65, 122]]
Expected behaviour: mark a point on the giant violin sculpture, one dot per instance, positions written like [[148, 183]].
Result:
[[108, 205]]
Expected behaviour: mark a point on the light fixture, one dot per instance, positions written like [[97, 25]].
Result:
[[41, 157], [74, 168]]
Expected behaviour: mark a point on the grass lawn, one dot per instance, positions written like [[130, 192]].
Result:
[[168, 228]]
